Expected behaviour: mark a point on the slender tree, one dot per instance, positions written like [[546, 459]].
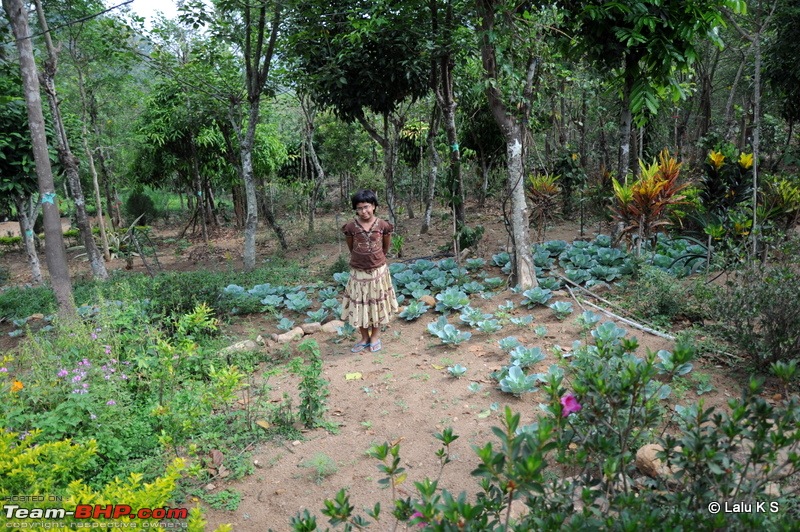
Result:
[[17, 169], [510, 99], [252, 28], [55, 253], [68, 160]]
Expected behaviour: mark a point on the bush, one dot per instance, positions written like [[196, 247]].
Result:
[[18, 302], [140, 204], [760, 311], [657, 294]]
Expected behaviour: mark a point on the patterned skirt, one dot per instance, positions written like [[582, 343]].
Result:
[[369, 298]]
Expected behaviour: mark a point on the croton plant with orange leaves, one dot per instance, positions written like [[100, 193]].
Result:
[[643, 205]]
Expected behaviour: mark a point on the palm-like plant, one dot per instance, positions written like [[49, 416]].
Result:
[[643, 205], [543, 191]]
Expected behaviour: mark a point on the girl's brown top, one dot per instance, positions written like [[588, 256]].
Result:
[[367, 253]]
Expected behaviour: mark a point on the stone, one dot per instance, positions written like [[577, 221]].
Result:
[[294, 334], [210, 487], [649, 464], [260, 340], [311, 328], [332, 326], [238, 347], [428, 300]]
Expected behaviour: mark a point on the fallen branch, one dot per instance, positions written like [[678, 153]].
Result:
[[632, 323], [597, 297]]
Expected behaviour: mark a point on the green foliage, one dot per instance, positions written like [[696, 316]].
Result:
[[16, 302], [536, 296], [451, 299], [414, 310], [562, 309], [468, 237], [140, 204], [759, 310], [447, 332], [457, 370], [54, 469], [656, 294], [516, 382], [227, 499], [313, 388], [321, 465]]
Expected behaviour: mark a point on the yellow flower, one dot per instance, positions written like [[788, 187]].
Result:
[[16, 386], [745, 160], [575, 156], [716, 159]]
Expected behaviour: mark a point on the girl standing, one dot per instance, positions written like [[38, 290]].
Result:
[[369, 299]]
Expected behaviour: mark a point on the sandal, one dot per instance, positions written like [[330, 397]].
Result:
[[360, 346], [376, 346]]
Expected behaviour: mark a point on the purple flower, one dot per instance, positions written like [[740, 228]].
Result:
[[77, 378], [94, 336], [79, 391], [108, 349], [123, 376], [62, 373], [111, 402], [92, 416], [3, 370], [569, 405]]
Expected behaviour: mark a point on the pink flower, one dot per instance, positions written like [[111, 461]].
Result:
[[569, 405], [419, 516]]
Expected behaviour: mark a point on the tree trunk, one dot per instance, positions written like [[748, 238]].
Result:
[[524, 274], [510, 123], [27, 210], [55, 254], [626, 118], [251, 216], [388, 142], [756, 133], [198, 190], [65, 155], [433, 130], [446, 101], [317, 172]]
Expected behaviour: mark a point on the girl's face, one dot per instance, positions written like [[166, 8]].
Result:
[[365, 210]]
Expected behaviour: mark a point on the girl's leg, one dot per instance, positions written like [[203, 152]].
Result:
[[365, 334]]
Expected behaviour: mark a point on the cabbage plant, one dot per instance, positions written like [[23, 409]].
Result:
[[447, 332], [457, 370], [451, 299], [297, 301], [536, 296], [414, 310], [525, 357], [516, 382], [562, 309]]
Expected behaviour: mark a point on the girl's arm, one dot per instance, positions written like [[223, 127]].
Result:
[[349, 240], [387, 243]]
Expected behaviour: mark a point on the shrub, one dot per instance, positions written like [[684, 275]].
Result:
[[140, 204], [760, 311], [18, 302]]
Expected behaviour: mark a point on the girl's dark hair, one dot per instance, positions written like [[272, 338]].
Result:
[[364, 196]]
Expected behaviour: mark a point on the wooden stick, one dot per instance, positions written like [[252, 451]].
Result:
[[632, 323], [607, 302]]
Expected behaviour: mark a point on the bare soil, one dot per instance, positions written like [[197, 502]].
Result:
[[404, 393]]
